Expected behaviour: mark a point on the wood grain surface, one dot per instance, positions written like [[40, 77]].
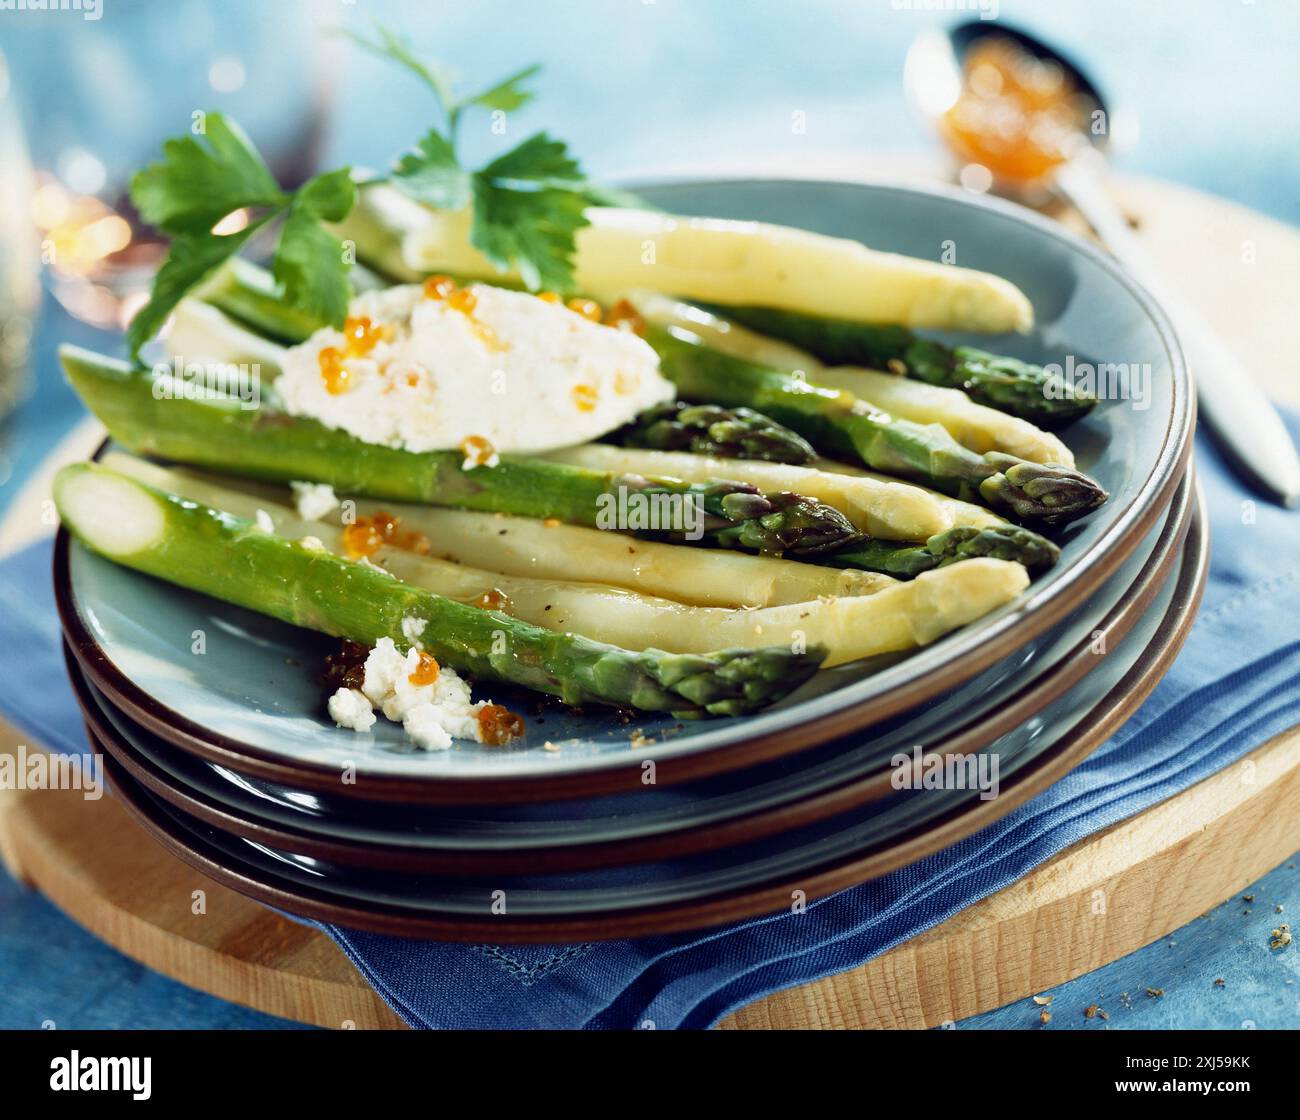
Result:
[[1101, 899]]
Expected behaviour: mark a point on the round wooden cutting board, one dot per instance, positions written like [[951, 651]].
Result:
[[1158, 870]]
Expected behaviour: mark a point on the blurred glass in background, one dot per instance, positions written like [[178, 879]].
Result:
[[98, 97], [19, 254]]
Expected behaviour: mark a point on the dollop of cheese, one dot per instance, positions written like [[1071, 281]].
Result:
[[522, 373]]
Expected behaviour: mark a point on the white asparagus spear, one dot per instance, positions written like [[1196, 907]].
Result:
[[899, 617], [973, 425], [894, 619], [885, 508], [737, 262], [524, 546], [963, 514]]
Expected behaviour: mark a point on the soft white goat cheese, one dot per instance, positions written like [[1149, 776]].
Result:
[[520, 372], [315, 500], [350, 708], [264, 521]]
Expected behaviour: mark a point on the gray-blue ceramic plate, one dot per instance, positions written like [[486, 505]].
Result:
[[250, 701], [997, 707], [715, 887]]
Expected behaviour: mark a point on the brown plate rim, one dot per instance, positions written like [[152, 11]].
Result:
[[1119, 704], [1064, 674]]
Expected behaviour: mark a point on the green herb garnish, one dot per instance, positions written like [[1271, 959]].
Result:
[[528, 203], [197, 184]]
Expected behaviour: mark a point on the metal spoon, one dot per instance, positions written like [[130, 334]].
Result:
[[1243, 420]]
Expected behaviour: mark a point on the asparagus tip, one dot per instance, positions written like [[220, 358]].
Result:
[[735, 682], [1005, 542], [1046, 492]]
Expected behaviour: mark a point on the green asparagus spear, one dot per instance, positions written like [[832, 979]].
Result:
[[840, 424], [158, 414], [1014, 386], [1009, 542], [250, 294], [215, 553], [709, 429]]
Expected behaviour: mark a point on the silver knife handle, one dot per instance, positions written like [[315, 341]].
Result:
[[1242, 418]]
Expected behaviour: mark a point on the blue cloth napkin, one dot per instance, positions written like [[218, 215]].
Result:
[[1233, 687]]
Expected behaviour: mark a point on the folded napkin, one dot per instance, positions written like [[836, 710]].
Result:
[[1232, 688]]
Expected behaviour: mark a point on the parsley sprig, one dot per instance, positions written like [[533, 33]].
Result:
[[527, 203], [204, 177]]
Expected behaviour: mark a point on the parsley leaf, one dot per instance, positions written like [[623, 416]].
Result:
[[528, 204], [535, 162], [431, 174], [192, 258], [508, 94], [197, 185], [303, 257]]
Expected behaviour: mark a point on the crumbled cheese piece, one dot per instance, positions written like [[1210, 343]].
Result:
[[424, 726], [413, 628], [432, 714], [264, 521], [383, 666], [350, 708], [315, 500], [366, 562], [505, 369], [313, 544]]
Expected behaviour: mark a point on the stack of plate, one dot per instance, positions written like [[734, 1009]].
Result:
[[210, 719]]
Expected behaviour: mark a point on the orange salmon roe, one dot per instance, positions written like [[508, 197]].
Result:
[[587, 308], [498, 725], [494, 600], [367, 535], [463, 300], [362, 335], [337, 376], [426, 672], [361, 538], [549, 297], [477, 450], [624, 317], [439, 287], [584, 398]]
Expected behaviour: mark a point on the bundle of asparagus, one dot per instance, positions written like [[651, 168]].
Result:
[[229, 558]]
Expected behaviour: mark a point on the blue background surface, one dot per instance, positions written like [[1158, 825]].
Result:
[[636, 86]]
